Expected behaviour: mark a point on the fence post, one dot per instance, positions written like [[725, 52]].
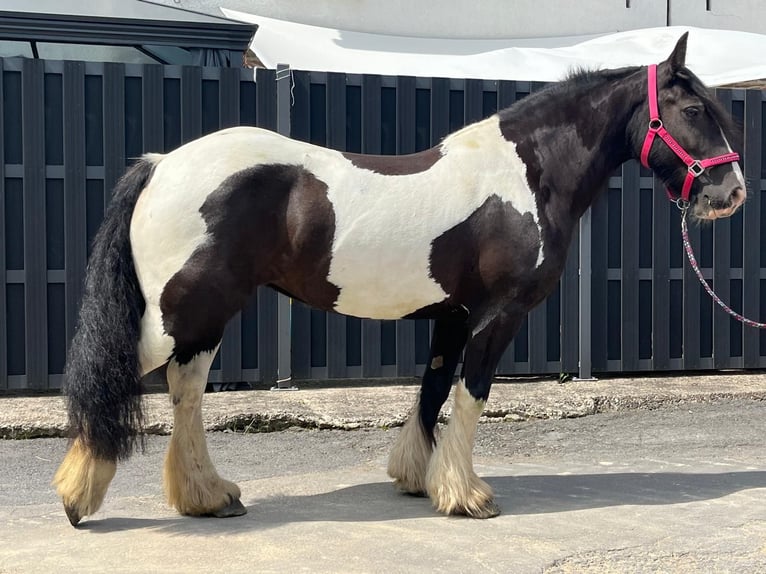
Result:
[[585, 365], [284, 304]]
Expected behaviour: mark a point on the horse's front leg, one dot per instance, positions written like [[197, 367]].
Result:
[[192, 484], [409, 458], [451, 482]]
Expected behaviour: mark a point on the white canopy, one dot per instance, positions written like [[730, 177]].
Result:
[[717, 56]]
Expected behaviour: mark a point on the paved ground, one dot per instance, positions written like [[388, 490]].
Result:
[[669, 475]]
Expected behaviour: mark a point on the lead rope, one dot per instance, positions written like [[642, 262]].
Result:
[[684, 207]]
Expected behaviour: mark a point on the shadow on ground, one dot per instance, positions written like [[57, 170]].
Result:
[[519, 495]]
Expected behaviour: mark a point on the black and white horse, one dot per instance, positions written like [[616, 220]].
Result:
[[472, 233]]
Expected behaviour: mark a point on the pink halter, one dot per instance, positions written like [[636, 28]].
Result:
[[696, 167]]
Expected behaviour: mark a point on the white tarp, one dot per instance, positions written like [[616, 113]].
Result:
[[717, 56]]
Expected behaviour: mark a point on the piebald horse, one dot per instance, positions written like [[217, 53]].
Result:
[[472, 233]]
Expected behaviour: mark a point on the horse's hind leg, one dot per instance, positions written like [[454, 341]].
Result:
[[192, 484], [82, 481], [409, 458]]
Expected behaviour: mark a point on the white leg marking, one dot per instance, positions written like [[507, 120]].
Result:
[[82, 480], [192, 484], [408, 461], [735, 165], [451, 481]]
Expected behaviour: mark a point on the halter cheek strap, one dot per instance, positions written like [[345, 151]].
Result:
[[696, 167]]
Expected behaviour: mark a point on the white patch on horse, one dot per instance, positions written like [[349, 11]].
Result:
[[735, 164], [385, 225], [167, 226]]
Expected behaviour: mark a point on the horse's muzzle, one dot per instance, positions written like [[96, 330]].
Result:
[[707, 207]]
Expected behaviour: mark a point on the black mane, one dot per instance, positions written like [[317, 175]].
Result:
[[586, 76]]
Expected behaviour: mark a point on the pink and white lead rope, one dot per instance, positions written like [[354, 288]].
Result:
[[693, 261]]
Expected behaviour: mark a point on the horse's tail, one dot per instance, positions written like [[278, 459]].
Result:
[[102, 378]]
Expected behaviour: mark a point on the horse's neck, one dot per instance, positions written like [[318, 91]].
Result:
[[571, 140]]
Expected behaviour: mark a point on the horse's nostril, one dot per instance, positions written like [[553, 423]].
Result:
[[737, 196]]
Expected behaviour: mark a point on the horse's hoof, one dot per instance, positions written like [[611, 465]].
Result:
[[490, 510], [72, 514], [234, 508], [487, 510]]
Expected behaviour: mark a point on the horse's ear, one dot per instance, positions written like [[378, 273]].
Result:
[[677, 59]]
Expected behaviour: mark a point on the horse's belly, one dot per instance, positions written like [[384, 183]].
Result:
[[384, 283], [384, 230]]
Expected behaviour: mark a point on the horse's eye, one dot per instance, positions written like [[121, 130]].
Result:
[[691, 112]]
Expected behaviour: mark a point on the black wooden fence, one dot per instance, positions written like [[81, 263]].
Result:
[[626, 302]]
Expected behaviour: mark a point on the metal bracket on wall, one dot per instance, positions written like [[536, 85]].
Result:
[[586, 264], [284, 303]]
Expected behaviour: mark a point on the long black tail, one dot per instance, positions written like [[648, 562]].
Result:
[[102, 380]]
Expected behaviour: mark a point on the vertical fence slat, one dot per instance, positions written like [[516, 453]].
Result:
[[722, 322], [599, 284], [3, 239], [538, 359], [231, 350], [191, 103], [36, 275], [506, 93], [631, 190], [473, 102], [569, 335], [660, 277], [439, 109], [152, 90], [691, 308], [74, 189], [228, 97], [114, 126], [753, 238]]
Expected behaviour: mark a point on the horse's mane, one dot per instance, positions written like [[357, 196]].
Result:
[[586, 76]]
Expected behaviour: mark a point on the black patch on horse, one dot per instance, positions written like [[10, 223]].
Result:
[[270, 224]]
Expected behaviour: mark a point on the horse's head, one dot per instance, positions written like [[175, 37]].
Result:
[[703, 169]]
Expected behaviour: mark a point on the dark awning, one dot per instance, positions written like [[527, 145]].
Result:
[[124, 31]]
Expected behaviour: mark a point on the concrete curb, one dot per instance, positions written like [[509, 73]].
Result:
[[360, 404]]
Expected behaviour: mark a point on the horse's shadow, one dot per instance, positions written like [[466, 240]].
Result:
[[516, 495]]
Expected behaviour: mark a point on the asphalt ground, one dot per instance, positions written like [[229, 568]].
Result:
[[621, 475]]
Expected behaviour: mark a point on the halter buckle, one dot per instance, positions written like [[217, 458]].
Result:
[[655, 124], [696, 169]]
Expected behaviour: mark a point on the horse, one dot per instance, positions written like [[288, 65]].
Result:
[[472, 233]]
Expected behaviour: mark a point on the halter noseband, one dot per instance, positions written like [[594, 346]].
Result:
[[696, 167]]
